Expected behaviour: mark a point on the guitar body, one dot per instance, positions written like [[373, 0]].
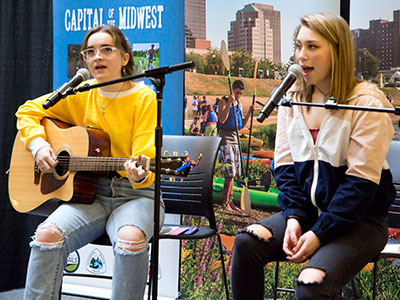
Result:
[[29, 188]]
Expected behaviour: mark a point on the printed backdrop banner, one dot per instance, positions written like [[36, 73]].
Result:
[[155, 31]]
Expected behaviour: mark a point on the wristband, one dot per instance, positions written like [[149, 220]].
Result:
[[36, 144], [294, 217], [142, 180]]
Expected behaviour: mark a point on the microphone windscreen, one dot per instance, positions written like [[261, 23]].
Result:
[[296, 70], [84, 73]]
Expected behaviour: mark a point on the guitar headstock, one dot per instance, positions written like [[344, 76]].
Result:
[[174, 165], [177, 165]]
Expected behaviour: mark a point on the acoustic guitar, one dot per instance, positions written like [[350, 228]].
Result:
[[83, 155]]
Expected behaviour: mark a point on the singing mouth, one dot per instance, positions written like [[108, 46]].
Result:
[[100, 67], [307, 70]]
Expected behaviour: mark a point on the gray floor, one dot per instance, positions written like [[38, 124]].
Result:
[[19, 295]]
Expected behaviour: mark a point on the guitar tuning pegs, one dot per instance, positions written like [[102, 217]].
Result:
[[185, 153], [165, 153], [175, 154], [172, 179]]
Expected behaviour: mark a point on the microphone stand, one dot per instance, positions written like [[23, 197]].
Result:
[[157, 78], [331, 104], [158, 83]]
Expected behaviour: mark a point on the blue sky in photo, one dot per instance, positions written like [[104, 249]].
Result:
[[219, 14]]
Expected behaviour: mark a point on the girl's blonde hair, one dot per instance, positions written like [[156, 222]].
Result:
[[336, 31]]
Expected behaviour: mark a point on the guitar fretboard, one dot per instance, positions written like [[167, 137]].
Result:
[[94, 163]]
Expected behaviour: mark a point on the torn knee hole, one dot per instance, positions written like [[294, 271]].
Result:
[[259, 231], [48, 235], [131, 246], [311, 276], [131, 239]]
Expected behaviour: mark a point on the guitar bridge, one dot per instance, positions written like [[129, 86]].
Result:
[[36, 173]]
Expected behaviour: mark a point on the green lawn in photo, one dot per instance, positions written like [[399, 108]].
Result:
[[141, 63]]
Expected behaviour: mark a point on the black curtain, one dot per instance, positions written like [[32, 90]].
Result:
[[345, 10], [26, 55]]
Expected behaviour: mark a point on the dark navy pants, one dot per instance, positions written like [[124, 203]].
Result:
[[341, 259]]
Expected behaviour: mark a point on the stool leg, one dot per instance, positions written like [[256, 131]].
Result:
[[276, 280], [223, 266], [375, 271], [354, 291], [150, 281]]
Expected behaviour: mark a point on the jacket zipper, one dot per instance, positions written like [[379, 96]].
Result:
[[315, 177]]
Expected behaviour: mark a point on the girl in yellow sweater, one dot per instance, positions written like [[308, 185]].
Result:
[[124, 202]]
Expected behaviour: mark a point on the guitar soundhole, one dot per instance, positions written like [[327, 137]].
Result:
[[63, 163]]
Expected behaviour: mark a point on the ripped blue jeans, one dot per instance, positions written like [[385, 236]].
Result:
[[340, 259], [117, 205]]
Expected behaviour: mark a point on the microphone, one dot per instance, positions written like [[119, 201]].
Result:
[[80, 76], [294, 73]]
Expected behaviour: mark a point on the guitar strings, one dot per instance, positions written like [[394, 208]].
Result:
[[95, 159], [109, 161]]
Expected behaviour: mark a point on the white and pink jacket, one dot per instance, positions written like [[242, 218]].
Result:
[[343, 176]]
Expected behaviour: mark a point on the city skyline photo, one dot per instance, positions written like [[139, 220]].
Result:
[[220, 14]]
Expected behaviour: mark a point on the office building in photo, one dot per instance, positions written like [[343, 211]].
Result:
[[257, 29], [382, 39], [195, 24]]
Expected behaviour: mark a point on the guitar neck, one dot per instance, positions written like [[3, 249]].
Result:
[[94, 163]]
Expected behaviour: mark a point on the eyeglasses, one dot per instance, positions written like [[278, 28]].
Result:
[[105, 51]]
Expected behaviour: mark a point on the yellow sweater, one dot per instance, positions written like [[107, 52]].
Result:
[[129, 119]]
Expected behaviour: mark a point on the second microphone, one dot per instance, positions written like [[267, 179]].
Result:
[[294, 73]]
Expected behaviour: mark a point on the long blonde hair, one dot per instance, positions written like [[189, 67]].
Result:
[[336, 31]]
